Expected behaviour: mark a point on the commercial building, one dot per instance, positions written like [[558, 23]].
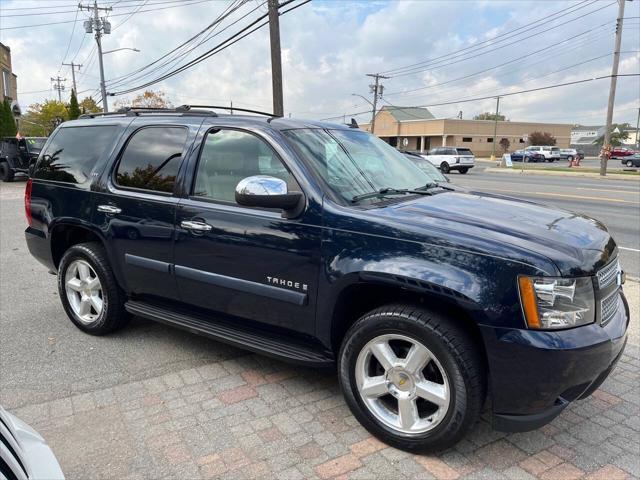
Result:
[[411, 128], [8, 80]]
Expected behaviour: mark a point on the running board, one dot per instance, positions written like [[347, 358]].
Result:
[[249, 340]]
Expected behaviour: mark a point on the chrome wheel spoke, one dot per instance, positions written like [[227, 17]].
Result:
[[407, 412], [85, 306], [433, 392], [93, 284], [75, 284], [84, 272], [96, 303], [383, 353], [374, 387], [417, 358]]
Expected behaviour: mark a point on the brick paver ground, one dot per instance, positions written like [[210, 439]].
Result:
[[253, 417]]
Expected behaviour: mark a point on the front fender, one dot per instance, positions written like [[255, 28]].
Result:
[[483, 285]]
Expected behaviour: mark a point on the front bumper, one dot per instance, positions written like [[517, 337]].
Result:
[[536, 374]]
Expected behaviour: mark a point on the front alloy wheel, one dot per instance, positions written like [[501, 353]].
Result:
[[402, 383]]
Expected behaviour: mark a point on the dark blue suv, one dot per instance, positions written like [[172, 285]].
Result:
[[320, 244]]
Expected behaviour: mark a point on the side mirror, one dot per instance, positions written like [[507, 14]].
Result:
[[266, 192]]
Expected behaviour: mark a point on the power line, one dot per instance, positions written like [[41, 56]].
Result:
[[218, 48], [475, 45], [502, 64], [179, 51], [182, 3]]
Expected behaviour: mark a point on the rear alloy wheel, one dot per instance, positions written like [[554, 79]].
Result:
[[88, 289], [444, 167], [6, 172], [412, 377], [464, 170]]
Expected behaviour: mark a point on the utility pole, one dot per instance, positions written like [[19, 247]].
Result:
[[73, 74], [377, 90], [101, 26], [638, 130], [495, 131], [612, 88], [276, 60], [57, 85]]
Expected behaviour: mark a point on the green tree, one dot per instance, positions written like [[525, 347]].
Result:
[[541, 138], [490, 116], [89, 105], [7, 122], [619, 133], [74, 108], [147, 99], [505, 144], [43, 118]]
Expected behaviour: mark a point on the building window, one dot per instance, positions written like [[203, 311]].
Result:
[[521, 140], [489, 139], [6, 83], [467, 139]]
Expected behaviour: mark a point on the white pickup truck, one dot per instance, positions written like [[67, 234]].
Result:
[[551, 154], [451, 158]]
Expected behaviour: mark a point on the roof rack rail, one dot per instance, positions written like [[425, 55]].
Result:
[[184, 109], [232, 109]]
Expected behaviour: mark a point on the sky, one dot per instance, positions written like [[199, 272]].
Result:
[[435, 52]]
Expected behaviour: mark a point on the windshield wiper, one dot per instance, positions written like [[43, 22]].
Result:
[[388, 191], [431, 185]]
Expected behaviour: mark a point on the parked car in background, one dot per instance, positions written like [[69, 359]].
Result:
[[621, 152], [571, 154], [16, 155], [24, 455], [631, 160], [427, 167], [551, 154], [529, 156], [451, 158]]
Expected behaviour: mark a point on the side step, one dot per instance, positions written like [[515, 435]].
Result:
[[258, 342]]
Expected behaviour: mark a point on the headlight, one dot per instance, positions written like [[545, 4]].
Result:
[[555, 303]]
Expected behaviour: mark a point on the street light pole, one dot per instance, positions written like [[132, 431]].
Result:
[[495, 130], [612, 89], [276, 60]]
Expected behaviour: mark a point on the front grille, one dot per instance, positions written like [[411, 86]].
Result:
[[607, 275], [608, 308]]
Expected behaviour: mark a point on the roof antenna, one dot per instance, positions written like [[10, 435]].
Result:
[[353, 123]]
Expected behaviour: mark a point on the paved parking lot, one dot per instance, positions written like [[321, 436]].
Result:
[[152, 402]]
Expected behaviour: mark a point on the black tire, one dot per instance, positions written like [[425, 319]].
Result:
[[6, 172], [444, 167], [550, 160], [450, 344], [464, 170], [113, 315]]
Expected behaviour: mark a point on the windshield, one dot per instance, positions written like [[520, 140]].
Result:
[[353, 162], [426, 166]]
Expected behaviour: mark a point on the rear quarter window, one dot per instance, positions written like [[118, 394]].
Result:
[[73, 153], [464, 151]]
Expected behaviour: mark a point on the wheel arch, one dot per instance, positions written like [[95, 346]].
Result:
[[373, 291], [64, 234]]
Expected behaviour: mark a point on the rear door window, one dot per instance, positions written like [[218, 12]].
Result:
[[152, 158], [73, 153]]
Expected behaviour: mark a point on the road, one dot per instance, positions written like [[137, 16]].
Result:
[[154, 402], [616, 203], [614, 165]]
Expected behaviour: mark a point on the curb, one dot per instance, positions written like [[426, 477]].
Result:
[[612, 176]]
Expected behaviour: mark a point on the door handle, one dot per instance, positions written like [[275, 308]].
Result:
[[196, 226], [109, 209]]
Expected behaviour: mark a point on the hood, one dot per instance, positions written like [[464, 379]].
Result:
[[575, 243]]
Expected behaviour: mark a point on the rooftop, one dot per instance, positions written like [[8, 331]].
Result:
[[402, 114]]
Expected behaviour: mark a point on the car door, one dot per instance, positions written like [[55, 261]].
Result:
[[137, 209], [248, 264]]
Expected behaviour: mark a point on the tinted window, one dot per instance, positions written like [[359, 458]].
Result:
[[73, 152], [229, 156], [152, 158], [467, 139], [464, 151]]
